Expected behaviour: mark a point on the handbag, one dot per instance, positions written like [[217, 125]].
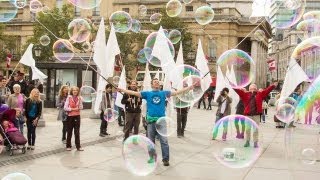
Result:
[[62, 115]]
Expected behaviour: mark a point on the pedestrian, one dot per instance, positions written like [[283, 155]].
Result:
[[62, 114], [240, 111], [202, 99], [224, 109], [155, 110], [17, 101], [133, 111], [106, 102], [182, 117], [4, 91], [30, 87], [264, 109], [210, 97], [33, 114], [252, 101], [19, 79], [72, 106]]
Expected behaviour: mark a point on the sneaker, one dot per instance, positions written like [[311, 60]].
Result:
[[64, 141], [151, 161], [68, 149], [101, 135], [247, 144], [105, 133], [242, 136], [179, 136], [135, 141], [80, 149], [32, 148], [238, 136], [224, 136], [255, 145], [29, 148], [165, 162]]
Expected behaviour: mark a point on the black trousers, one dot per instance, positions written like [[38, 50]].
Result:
[[73, 122], [132, 121], [31, 132], [64, 130], [181, 123], [204, 103], [104, 123], [209, 103]]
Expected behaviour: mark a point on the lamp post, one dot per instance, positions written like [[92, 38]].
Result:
[[41, 123]]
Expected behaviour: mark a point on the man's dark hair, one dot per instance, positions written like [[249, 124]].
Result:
[[108, 86], [225, 89]]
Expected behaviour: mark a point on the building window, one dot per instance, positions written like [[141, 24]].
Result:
[[212, 48], [77, 12], [96, 11], [189, 8], [59, 4], [126, 10]]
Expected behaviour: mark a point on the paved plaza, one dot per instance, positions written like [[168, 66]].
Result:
[[191, 156]]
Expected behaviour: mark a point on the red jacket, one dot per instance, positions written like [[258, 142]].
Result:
[[261, 95]]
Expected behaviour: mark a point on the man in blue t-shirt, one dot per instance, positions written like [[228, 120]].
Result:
[[156, 108]]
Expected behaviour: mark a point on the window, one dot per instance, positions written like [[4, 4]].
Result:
[[77, 11], [212, 48], [59, 4], [189, 8], [126, 10], [96, 11]]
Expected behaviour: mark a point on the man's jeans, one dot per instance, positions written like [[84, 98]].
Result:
[[152, 133]]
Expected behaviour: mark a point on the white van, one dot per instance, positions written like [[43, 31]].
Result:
[[140, 76]]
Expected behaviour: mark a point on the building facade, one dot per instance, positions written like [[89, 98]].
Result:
[[229, 29]]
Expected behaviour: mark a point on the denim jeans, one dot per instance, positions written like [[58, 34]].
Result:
[[152, 133]]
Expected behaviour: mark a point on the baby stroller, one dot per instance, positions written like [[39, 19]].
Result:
[[13, 139]]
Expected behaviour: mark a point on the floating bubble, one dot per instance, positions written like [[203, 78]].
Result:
[[142, 55], [309, 156], [312, 15], [235, 147], [194, 94], [166, 32], [310, 25], [204, 15], [304, 46], [136, 26], [166, 126], [45, 9], [285, 113], [244, 66], [175, 36], [35, 6], [176, 102], [87, 92], [173, 8], [259, 35], [180, 72], [63, 50], [3, 108], [21, 3], [254, 19], [79, 30], [187, 1], [86, 46], [140, 155], [149, 43], [292, 4], [16, 176], [116, 80], [8, 10], [121, 21], [155, 18], [45, 40], [143, 10], [110, 115], [86, 4], [281, 17]]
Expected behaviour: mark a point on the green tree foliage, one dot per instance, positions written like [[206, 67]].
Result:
[[7, 43]]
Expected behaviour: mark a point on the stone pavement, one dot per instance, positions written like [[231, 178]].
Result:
[[191, 157]]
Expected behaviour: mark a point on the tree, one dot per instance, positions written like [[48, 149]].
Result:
[[7, 43]]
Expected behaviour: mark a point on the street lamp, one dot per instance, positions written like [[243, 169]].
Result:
[[37, 51]]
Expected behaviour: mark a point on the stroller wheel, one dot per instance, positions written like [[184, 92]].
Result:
[[23, 150], [11, 152]]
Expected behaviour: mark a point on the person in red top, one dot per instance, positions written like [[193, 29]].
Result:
[[252, 101], [73, 105]]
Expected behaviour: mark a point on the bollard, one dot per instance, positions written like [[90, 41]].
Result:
[[41, 122], [92, 114]]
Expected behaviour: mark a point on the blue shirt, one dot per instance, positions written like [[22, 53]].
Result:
[[33, 109], [156, 102]]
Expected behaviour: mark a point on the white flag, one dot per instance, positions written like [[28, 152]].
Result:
[[294, 76], [27, 58], [162, 51], [122, 85], [146, 87], [201, 63], [104, 57], [37, 74], [179, 60], [157, 76]]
